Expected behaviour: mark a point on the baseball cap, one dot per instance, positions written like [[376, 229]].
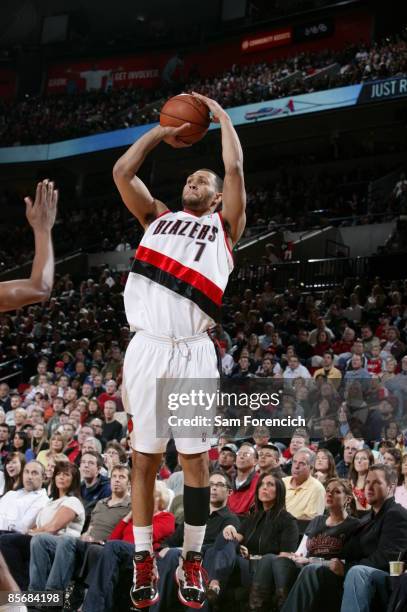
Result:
[[272, 446], [59, 364], [232, 448]]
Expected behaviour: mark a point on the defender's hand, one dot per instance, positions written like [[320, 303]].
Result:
[[41, 214]]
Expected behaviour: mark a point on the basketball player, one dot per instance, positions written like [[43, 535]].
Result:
[[172, 298], [41, 216]]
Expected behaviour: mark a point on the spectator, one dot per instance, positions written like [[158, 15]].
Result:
[[19, 508], [53, 559], [324, 466], [56, 446], [63, 514], [114, 455], [13, 472], [39, 440], [351, 445], [269, 460], [328, 371], [94, 486], [325, 538], [226, 460], [111, 429], [304, 494], [271, 529], [362, 460], [4, 441], [295, 370], [241, 500], [400, 495]]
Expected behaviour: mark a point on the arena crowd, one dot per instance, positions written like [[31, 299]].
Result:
[[314, 515], [60, 117]]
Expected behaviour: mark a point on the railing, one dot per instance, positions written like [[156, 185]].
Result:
[[317, 274], [11, 372]]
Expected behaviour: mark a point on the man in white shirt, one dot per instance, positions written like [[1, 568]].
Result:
[[19, 509], [295, 369]]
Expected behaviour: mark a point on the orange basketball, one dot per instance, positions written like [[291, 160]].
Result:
[[185, 108]]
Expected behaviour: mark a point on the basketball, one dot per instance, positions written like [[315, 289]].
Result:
[[185, 108]]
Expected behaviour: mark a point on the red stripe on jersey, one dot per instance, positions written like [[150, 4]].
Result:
[[188, 275], [165, 212], [225, 234]]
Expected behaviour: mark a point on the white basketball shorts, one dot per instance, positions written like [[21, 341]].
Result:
[[149, 357]]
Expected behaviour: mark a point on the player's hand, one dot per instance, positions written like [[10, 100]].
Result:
[[217, 111], [41, 214], [173, 135], [230, 532]]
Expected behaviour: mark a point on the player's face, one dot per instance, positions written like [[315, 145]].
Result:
[[199, 191]]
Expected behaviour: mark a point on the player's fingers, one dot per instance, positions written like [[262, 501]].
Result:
[[28, 204], [182, 127], [55, 197]]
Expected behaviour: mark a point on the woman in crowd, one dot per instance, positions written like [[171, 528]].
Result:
[[104, 563], [56, 446], [392, 457], [63, 515], [324, 539], [361, 462], [271, 529], [39, 440], [389, 370], [401, 491], [114, 455], [49, 471], [93, 412], [324, 466], [323, 343], [13, 472], [392, 431], [21, 445]]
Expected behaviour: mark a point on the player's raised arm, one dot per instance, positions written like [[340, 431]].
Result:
[[234, 194], [133, 191], [41, 216]]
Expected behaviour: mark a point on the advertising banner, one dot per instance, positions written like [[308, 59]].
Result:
[[267, 40], [386, 89], [313, 30]]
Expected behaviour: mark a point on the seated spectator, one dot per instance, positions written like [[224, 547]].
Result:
[[93, 486], [105, 563], [392, 458], [21, 445], [63, 514], [39, 439], [13, 472], [168, 557], [226, 461], [49, 470], [361, 462], [389, 372], [110, 395], [111, 429], [295, 369], [379, 540], [351, 445], [323, 343], [93, 412], [53, 559], [299, 440], [271, 529], [324, 466], [19, 509], [356, 370], [269, 460], [329, 434], [305, 495], [56, 446], [4, 441], [261, 436], [400, 494], [328, 371], [241, 500], [114, 455], [324, 538]]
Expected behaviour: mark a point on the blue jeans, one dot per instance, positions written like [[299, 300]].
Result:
[[364, 585], [52, 562]]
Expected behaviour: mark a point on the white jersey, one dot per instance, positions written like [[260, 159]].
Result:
[[179, 274]]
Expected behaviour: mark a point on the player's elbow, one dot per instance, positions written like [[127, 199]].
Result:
[[235, 168], [121, 172]]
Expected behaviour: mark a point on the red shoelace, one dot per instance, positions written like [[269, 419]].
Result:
[[195, 575], [144, 572]]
